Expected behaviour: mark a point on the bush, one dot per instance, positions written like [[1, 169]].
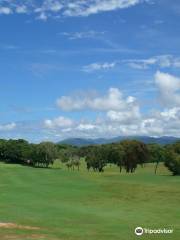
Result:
[[173, 163]]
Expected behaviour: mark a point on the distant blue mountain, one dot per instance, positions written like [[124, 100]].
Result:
[[85, 141]]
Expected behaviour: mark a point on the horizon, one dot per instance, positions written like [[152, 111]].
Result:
[[93, 139], [89, 70]]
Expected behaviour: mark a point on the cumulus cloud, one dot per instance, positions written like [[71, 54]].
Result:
[[159, 123], [165, 122], [7, 127], [169, 89], [85, 127], [114, 115], [5, 10], [122, 115], [113, 100], [60, 122], [48, 8], [21, 9], [127, 116]]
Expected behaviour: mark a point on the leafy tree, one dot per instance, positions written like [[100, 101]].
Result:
[[73, 162], [15, 151], [76, 161], [44, 154], [96, 158], [65, 152], [135, 153], [173, 158], [156, 154], [117, 154], [69, 165], [2, 149], [175, 147]]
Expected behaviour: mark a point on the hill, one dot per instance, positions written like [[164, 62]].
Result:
[[88, 141]]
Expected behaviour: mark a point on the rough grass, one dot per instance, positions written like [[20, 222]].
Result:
[[58, 204]]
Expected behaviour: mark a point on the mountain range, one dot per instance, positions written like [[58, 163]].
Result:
[[88, 141]]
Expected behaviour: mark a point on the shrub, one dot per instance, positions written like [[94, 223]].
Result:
[[173, 162]]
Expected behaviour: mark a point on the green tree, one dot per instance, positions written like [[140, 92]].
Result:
[[173, 158], [96, 158], [156, 155], [117, 154], [44, 154], [16, 151], [2, 149], [135, 153]]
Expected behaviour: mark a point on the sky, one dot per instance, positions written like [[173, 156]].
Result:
[[89, 68]]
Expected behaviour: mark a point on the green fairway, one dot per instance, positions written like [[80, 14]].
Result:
[[69, 205]]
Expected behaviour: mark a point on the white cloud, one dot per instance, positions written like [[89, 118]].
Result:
[[50, 8], [162, 61], [122, 115], [82, 35], [126, 116], [7, 127], [21, 9], [54, 6], [151, 127], [113, 100], [165, 122], [115, 115], [128, 125], [69, 104], [98, 66], [171, 114], [160, 123], [60, 122], [169, 88], [5, 10], [85, 127], [82, 8], [42, 16]]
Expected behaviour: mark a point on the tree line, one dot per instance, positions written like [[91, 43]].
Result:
[[127, 155], [21, 152]]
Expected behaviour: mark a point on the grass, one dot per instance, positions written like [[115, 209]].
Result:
[[87, 206]]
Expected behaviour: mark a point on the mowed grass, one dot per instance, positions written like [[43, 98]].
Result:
[[68, 205]]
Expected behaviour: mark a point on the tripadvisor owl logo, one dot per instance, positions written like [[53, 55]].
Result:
[[139, 231]]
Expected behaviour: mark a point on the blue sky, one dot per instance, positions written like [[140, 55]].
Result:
[[89, 68]]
